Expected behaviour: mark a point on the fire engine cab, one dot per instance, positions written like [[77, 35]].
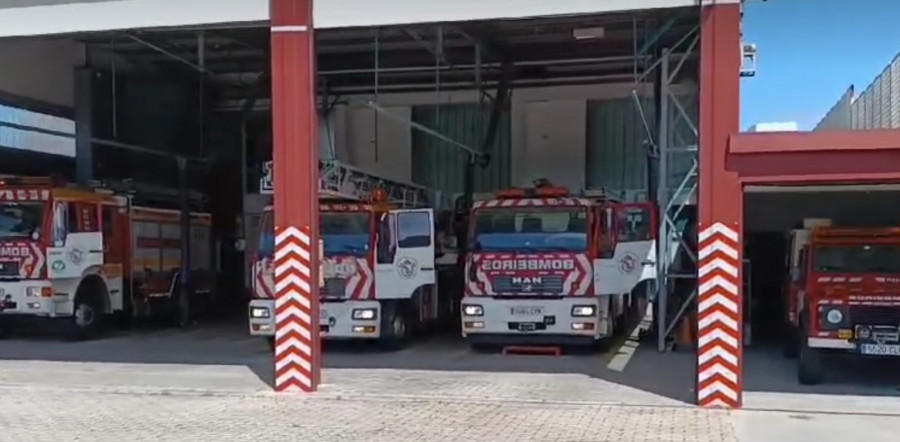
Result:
[[843, 294], [77, 255], [546, 267], [378, 273]]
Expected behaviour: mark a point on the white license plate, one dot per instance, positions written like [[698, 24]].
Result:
[[527, 311], [880, 349]]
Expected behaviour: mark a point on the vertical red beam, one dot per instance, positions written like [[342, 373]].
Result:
[[296, 171], [719, 373]]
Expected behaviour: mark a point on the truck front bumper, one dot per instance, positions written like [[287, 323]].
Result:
[[337, 320], [539, 321], [262, 317], [30, 299]]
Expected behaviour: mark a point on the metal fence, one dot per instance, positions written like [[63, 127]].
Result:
[[877, 107]]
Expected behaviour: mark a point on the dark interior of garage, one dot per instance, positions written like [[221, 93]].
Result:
[[769, 215], [146, 98]]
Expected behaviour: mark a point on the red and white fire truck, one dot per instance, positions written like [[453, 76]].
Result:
[[843, 294], [378, 271], [549, 268], [78, 255]]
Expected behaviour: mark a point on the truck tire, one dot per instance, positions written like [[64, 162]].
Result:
[[395, 326], [88, 318], [88, 315], [810, 367]]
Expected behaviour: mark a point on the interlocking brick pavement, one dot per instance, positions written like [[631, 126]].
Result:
[[59, 401], [212, 384], [56, 414]]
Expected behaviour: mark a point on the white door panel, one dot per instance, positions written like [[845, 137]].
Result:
[[80, 252], [632, 263], [410, 263]]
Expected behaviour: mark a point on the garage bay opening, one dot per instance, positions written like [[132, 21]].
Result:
[[822, 282]]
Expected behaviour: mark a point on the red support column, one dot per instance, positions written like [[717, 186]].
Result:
[[719, 315], [296, 171]]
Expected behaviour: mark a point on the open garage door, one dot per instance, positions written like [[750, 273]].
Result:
[[397, 102], [820, 261]]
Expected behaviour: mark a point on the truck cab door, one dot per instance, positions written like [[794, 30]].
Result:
[[405, 253], [631, 228], [76, 239]]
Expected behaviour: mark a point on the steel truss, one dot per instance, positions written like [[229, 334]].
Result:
[[672, 135]]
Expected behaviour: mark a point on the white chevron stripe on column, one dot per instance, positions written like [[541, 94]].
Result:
[[719, 319], [294, 337]]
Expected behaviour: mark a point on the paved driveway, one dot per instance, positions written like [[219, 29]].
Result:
[[211, 384]]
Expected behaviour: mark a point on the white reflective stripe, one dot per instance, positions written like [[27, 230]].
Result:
[[831, 343], [289, 28]]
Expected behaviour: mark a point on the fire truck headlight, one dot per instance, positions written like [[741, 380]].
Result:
[[863, 332], [834, 316], [259, 312], [473, 310], [365, 313], [583, 311]]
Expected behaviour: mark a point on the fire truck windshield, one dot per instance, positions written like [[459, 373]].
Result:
[[530, 229], [20, 220], [345, 233], [857, 258]]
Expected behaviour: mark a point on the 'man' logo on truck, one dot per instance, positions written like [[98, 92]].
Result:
[[14, 252], [534, 280], [528, 264]]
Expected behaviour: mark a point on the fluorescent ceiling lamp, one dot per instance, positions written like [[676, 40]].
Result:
[[589, 33]]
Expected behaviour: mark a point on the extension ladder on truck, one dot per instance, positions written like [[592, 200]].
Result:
[[340, 181]]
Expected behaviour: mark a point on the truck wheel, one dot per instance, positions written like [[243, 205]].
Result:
[[810, 367], [88, 318], [394, 327]]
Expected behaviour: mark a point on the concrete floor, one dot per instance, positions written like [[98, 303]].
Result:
[[437, 388]]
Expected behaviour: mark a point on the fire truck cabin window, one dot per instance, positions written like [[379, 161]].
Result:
[[857, 258], [414, 230], [20, 219], [634, 224], [531, 230], [345, 233], [266, 243], [108, 214]]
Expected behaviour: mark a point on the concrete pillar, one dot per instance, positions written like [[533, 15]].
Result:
[[295, 137], [719, 354]]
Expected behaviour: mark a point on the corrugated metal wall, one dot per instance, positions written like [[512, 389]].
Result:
[[616, 155], [877, 107], [838, 117], [441, 166]]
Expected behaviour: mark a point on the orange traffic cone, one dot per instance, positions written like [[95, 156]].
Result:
[[685, 336]]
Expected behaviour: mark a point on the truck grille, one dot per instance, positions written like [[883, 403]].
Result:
[[875, 315], [525, 285], [9, 268], [334, 288]]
